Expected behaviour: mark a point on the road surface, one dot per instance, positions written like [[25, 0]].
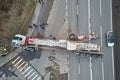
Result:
[[93, 16], [80, 17]]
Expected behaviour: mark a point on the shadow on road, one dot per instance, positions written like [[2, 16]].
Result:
[[30, 55]]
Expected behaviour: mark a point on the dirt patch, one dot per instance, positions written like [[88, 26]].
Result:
[[12, 15]]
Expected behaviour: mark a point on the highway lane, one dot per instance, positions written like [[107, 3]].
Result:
[[85, 69], [108, 57], [74, 65], [101, 23], [84, 29], [94, 15], [82, 17], [97, 68], [95, 19], [96, 26], [71, 12]]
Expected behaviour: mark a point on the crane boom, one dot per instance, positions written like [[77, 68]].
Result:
[[20, 40]]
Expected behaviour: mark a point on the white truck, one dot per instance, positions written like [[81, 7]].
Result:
[[21, 40]]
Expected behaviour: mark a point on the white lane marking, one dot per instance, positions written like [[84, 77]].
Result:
[[79, 68], [89, 9], [31, 75], [103, 70], [28, 73], [66, 13], [66, 1], [15, 59], [39, 78], [91, 76], [34, 77], [18, 62], [89, 29], [113, 64], [23, 67], [100, 8], [89, 24], [77, 9], [20, 65], [26, 70], [111, 15], [112, 47], [101, 35]]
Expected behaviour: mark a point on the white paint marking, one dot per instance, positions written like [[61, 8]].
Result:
[[89, 9], [34, 77], [20, 65], [91, 76], [28, 73], [101, 35], [66, 1], [111, 15], [66, 7], [26, 70], [103, 70], [113, 64], [100, 8], [79, 68], [77, 9], [15, 59], [23, 67], [89, 24], [39, 78], [31, 75], [18, 62], [112, 47], [66, 13]]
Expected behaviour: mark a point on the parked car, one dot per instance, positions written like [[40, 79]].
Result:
[[110, 39]]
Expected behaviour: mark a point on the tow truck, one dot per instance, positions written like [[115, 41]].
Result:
[[70, 45]]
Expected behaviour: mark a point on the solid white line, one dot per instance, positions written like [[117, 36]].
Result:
[[113, 64], [66, 7], [112, 47], [89, 9], [111, 14], [91, 76], [103, 70], [79, 68], [66, 1], [100, 8], [66, 13], [77, 9], [101, 35], [89, 24]]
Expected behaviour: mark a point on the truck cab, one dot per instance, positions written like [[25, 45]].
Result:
[[18, 40]]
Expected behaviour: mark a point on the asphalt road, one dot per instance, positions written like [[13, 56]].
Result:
[[80, 17], [116, 23], [93, 16]]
